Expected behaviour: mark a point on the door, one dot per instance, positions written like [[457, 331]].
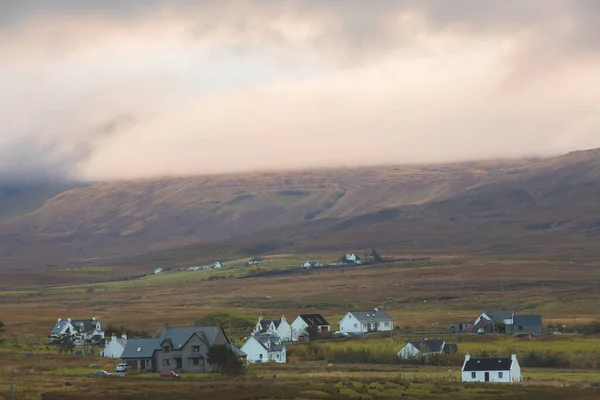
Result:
[[143, 365], [324, 329], [487, 376]]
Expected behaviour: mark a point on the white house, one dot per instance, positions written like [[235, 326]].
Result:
[[310, 264], [81, 329], [305, 320], [358, 322], [158, 271], [114, 348], [276, 327], [264, 348], [420, 348], [505, 369], [217, 265], [255, 260], [353, 258]]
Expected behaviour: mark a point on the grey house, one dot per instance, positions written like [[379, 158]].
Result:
[[178, 348], [139, 354], [526, 324]]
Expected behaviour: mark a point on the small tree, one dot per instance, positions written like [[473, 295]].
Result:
[[376, 257], [1, 326], [313, 332], [65, 342], [225, 361]]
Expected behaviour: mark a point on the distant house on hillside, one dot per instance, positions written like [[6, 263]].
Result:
[[310, 264], [81, 330], [491, 321], [256, 260], [303, 321], [358, 322], [420, 348], [115, 347], [494, 369], [351, 258], [461, 327], [217, 265], [526, 324], [158, 271], [276, 327]]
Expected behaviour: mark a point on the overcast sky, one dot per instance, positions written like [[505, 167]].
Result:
[[124, 88]]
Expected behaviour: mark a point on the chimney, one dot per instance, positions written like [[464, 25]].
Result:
[[93, 318], [467, 357], [113, 337], [260, 318], [376, 309], [59, 319], [513, 357], [282, 318], [69, 319], [124, 336]]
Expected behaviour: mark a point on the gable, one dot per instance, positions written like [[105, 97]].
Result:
[[314, 319]]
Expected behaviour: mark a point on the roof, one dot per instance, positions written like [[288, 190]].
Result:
[[450, 348], [270, 342], [371, 315], [428, 346], [237, 351], [59, 327], [314, 319], [179, 336], [89, 325], [264, 323], [140, 348], [488, 364], [500, 315], [528, 320]]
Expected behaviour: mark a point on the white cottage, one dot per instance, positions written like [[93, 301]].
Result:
[[114, 348], [217, 265], [495, 369], [265, 348], [359, 322], [276, 327], [158, 271], [305, 320], [81, 330]]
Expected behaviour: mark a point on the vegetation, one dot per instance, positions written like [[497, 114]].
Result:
[[225, 360]]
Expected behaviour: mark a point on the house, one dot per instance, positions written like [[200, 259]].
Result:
[[492, 321], [265, 348], [419, 348], [82, 330], [352, 258], [114, 348], [358, 322], [255, 261], [158, 271], [178, 348], [303, 321], [531, 324], [139, 354], [310, 264], [217, 265], [491, 369], [461, 327], [276, 327]]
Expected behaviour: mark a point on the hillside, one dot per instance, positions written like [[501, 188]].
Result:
[[524, 205]]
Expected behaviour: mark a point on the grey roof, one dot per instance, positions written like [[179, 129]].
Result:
[[428, 346], [237, 351], [314, 319], [500, 315], [59, 327], [528, 320], [488, 364], [140, 348], [179, 336], [270, 343], [89, 325], [372, 315], [264, 323]]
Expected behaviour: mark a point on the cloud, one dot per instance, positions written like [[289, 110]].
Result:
[[114, 89]]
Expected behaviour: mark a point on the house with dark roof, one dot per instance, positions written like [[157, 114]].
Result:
[[528, 324], [420, 348], [255, 260], [494, 369], [261, 348], [303, 321], [359, 322], [493, 321], [276, 327], [177, 348], [81, 330], [140, 354]]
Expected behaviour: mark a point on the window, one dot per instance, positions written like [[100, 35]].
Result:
[[500, 375], [195, 361], [166, 362], [196, 349], [260, 356], [166, 349], [386, 324], [520, 327], [473, 375], [356, 325]]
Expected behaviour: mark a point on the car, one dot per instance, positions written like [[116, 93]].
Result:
[[169, 374], [122, 367], [339, 334], [100, 373]]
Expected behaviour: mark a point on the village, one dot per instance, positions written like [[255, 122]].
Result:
[[185, 349]]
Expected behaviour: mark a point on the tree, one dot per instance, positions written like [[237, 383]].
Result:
[[313, 332], [225, 361], [1, 326], [65, 342], [376, 257]]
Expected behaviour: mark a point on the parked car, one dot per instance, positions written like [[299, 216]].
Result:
[[100, 373], [169, 374], [122, 367], [339, 334]]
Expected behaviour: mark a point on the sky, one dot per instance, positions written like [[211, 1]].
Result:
[[123, 89]]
